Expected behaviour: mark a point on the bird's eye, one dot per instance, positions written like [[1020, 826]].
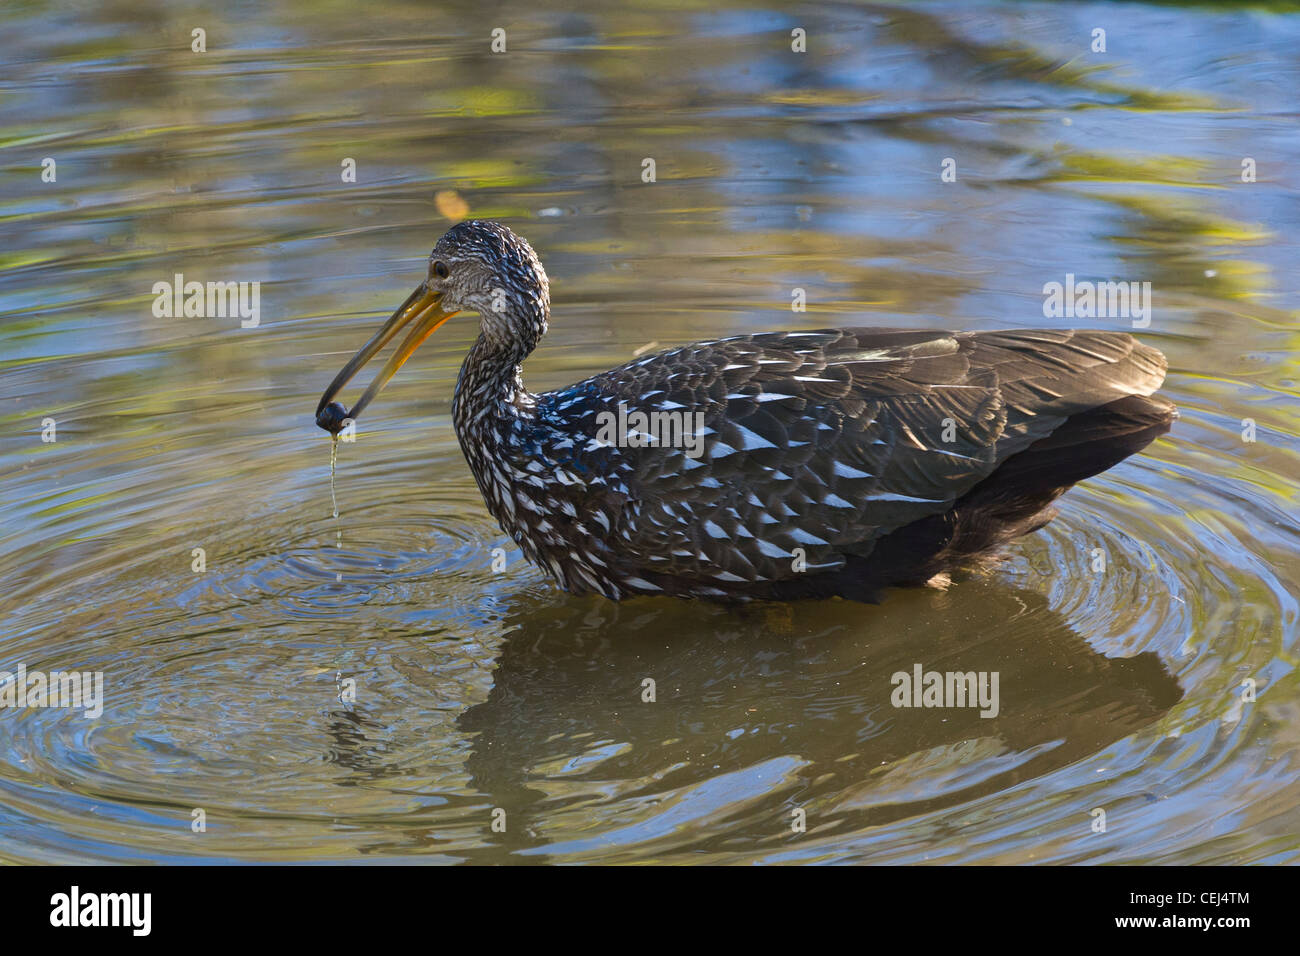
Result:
[[440, 269]]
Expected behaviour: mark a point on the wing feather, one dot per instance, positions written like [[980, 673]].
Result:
[[815, 444]]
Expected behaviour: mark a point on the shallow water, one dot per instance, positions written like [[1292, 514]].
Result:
[[229, 689]]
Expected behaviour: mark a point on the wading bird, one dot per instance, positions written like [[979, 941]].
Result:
[[833, 463]]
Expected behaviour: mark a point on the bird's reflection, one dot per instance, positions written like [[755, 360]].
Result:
[[809, 681], [803, 687]]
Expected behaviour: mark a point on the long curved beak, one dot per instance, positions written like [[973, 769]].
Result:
[[422, 312]]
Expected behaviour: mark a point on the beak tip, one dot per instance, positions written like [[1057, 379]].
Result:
[[420, 309], [331, 418]]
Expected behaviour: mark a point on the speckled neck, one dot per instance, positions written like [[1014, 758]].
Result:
[[491, 384]]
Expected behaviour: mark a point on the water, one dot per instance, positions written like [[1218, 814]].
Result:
[[334, 491], [373, 689]]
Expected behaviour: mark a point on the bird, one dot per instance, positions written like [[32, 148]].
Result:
[[772, 466]]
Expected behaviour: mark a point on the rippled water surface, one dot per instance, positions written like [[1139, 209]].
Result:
[[477, 690]]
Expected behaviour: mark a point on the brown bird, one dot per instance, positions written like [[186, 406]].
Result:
[[823, 463]]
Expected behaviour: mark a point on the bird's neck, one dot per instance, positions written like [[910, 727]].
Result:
[[490, 391], [492, 411]]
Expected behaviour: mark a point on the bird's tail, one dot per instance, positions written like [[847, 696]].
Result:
[[1015, 499]]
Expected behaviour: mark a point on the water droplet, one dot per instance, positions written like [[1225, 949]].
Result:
[[334, 460]]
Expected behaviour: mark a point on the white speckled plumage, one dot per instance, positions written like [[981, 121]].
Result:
[[817, 445]]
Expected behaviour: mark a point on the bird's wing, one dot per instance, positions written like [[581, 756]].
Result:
[[825, 441]]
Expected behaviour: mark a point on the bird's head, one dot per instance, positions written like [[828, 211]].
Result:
[[478, 266]]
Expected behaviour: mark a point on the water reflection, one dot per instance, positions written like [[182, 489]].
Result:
[[565, 720]]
